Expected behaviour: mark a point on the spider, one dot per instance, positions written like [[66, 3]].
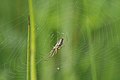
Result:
[[54, 50], [57, 46]]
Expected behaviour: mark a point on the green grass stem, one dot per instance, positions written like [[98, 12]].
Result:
[[33, 73]]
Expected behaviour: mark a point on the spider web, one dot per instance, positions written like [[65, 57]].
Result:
[[69, 21]]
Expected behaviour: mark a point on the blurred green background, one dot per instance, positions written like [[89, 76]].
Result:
[[90, 28]]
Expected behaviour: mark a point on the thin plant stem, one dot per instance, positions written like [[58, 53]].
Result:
[[33, 73], [28, 51]]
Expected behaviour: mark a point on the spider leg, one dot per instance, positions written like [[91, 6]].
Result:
[[51, 52], [56, 50], [60, 47]]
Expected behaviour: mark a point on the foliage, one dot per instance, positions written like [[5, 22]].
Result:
[[91, 32]]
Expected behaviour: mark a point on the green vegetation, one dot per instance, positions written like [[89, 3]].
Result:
[[32, 73], [91, 32]]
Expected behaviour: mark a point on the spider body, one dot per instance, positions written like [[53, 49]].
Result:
[[57, 46]]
